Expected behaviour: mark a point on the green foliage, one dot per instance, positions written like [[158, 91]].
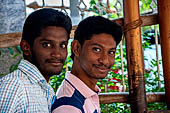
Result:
[[19, 49], [157, 106], [13, 67], [17, 54], [146, 6], [115, 108], [102, 9], [11, 51], [151, 78]]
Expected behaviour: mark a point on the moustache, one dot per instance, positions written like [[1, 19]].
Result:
[[54, 60], [102, 66]]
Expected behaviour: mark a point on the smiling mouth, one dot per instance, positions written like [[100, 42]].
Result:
[[56, 63], [102, 69]]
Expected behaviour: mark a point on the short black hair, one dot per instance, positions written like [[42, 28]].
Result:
[[42, 18], [96, 25]]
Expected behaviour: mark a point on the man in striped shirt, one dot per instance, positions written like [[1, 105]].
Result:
[[44, 45], [93, 54]]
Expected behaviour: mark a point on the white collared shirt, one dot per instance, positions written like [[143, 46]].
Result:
[[25, 91]]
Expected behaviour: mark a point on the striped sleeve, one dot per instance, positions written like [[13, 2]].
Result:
[[11, 95]]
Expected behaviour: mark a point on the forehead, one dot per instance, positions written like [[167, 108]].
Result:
[[53, 33], [103, 39]]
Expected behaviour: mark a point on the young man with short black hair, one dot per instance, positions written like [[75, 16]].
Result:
[[93, 54], [44, 45]]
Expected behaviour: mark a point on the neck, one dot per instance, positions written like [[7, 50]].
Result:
[[83, 76], [45, 75], [47, 78]]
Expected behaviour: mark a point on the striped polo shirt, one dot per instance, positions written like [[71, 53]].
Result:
[[25, 91], [74, 96]]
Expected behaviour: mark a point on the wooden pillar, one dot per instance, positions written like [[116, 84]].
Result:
[[164, 22], [134, 56]]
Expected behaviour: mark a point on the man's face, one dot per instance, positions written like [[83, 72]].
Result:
[[50, 50], [97, 55]]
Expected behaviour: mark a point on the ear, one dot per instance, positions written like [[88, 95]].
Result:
[[25, 48], [76, 47]]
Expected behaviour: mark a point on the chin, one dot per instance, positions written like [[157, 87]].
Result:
[[102, 76], [51, 72], [98, 76], [57, 72]]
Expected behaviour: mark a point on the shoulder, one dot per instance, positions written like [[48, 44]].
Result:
[[11, 90], [65, 89], [66, 109], [10, 81], [75, 100]]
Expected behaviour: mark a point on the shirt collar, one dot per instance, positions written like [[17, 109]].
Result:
[[81, 86], [32, 72]]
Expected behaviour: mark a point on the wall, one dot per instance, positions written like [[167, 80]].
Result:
[[12, 16]]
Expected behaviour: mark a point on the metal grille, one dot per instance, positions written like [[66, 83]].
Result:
[[110, 8]]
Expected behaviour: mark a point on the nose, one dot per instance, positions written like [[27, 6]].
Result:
[[104, 59], [56, 52]]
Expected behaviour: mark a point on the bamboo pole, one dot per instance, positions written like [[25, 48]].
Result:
[[123, 97], [122, 67], [132, 22], [164, 21], [157, 57]]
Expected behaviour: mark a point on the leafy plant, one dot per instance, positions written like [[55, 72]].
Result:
[[15, 55]]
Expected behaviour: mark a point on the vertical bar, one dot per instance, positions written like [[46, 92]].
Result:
[[157, 57], [74, 11], [164, 21], [106, 90], [134, 57], [43, 3], [122, 67]]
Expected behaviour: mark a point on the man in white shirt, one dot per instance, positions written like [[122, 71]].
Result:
[[44, 45]]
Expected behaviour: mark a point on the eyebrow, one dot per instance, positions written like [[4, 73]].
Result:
[[96, 44], [44, 39]]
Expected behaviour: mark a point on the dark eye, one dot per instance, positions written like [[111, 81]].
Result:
[[97, 49], [63, 46], [112, 52], [46, 44]]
